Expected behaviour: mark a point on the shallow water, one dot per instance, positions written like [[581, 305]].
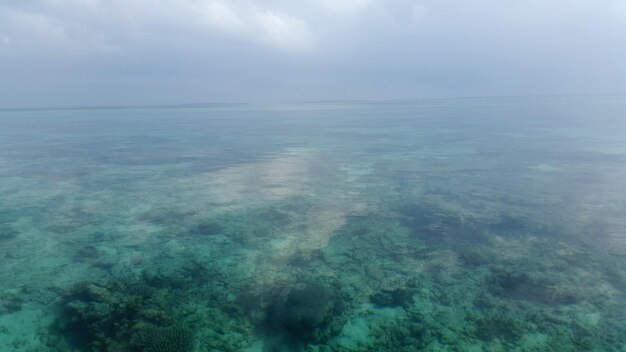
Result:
[[442, 225]]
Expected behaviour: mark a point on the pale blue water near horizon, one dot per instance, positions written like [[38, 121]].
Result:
[[492, 224]]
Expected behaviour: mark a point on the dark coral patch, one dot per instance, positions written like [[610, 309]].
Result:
[[305, 312], [522, 286], [7, 232], [170, 339], [393, 298], [208, 228]]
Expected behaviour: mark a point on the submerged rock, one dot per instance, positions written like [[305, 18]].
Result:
[[208, 228], [7, 232], [306, 312], [522, 286], [171, 339], [105, 317], [393, 298]]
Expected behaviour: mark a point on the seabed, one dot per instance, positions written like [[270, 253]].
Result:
[[441, 225]]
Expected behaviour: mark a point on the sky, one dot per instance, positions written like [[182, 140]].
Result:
[[157, 52]]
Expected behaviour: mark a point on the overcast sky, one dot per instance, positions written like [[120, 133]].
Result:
[[100, 52]]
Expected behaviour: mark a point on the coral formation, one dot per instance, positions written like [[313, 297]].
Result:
[[104, 317], [208, 228], [170, 339], [309, 232], [393, 298], [7, 232], [305, 312]]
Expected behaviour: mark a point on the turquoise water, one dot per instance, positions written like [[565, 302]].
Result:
[[443, 225]]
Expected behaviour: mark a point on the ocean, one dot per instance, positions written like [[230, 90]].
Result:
[[486, 224]]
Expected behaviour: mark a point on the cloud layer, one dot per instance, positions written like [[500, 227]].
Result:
[[77, 52]]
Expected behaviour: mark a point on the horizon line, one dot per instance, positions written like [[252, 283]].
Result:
[[303, 102]]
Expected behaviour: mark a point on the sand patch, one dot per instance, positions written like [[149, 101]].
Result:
[[274, 179], [22, 330]]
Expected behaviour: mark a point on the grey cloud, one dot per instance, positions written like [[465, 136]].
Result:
[[80, 52]]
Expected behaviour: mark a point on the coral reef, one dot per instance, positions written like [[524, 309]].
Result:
[[305, 312], [11, 301], [7, 232], [393, 298], [104, 317], [167, 308], [170, 339], [440, 227]]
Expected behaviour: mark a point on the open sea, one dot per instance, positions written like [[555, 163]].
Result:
[[433, 225]]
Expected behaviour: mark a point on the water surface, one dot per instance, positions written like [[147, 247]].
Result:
[[441, 225]]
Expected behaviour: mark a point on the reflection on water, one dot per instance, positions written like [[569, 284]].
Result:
[[463, 225]]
